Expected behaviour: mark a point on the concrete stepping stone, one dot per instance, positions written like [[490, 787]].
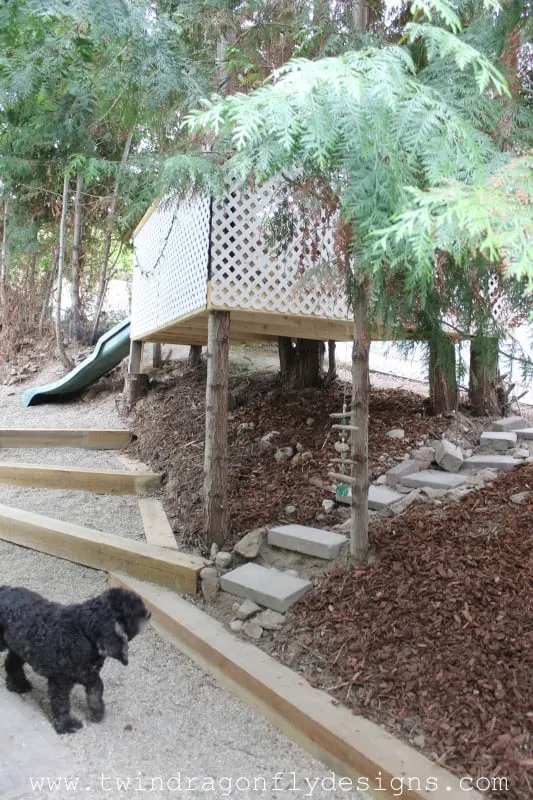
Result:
[[309, 541], [379, 497], [267, 587], [525, 433], [500, 463], [509, 424], [498, 440], [434, 479]]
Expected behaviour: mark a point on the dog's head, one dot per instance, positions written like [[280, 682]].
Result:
[[120, 617]]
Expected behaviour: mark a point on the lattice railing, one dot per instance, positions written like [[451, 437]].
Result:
[[249, 272], [171, 261]]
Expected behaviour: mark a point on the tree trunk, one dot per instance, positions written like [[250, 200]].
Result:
[[60, 265], [443, 389], [31, 293], [3, 258], [300, 364], [216, 429], [195, 356], [75, 271], [103, 282], [483, 376], [332, 364], [48, 291], [359, 418]]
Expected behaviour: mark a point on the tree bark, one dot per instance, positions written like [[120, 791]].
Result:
[[300, 364], [60, 267], [443, 388], [3, 258], [76, 261], [287, 359], [195, 356], [104, 277], [359, 418], [216, 429], [483, 376]]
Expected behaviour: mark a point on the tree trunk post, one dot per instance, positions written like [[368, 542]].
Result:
[[195, 356], [65, 360], [332, 363], [483, 376], [76, 260], [443, 388], [137, 382], [359, 418], [216, 429]]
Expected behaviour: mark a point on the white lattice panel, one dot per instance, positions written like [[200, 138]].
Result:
[[170, 267], [247, 273]]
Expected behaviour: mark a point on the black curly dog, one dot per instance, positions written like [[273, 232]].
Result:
[[67, 644]]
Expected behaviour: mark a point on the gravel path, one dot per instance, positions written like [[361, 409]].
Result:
[[165, 718]]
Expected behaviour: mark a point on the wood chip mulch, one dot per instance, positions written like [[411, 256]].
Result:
[[435, 639]]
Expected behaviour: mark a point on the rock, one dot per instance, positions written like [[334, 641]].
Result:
[[292, 572], [520, 498], [342, 447], [236, 625], [252, 630], [309, 421], [328, 506], [284, 454], [250, 544], [290, 509], [306, 456], [295, 460], [396, 433], [407, 467], [210, 588], [223, 560], [519, 452], [406, 501], [208, 573], [449, 456], [381, 480], [299, 447], [270, 620], [266, 443], [419, 741], [424, 454], [433, 494], [213, 552], [247, 609]]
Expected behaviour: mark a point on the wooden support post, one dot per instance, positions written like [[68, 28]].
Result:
[[216, 428], [136, 383]]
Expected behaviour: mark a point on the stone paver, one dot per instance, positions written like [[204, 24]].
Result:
[[268, 587], [500, 463], [498, 440], [30, 748], [525, 433], [406, 467], [448, 456], [434, 479], [509, 424], [310, 541]]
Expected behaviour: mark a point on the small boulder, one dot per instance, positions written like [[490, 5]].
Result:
[[252, 630], [448, 456], [236, 625], [270, 620], [328, 506], [223, 560], [290, 509], [520, 498], [284, 454], [210, 588], [250, 545], [247, 609], [208, 573], [396, 433]]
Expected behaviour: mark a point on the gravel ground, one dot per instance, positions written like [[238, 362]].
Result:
[[164, 716]]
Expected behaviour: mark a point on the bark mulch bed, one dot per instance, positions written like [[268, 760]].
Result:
[[170, 426], [435, 640]]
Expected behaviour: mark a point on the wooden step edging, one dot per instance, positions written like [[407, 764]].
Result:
[[99, 481], [102, 551], [354, 748], [156, 526], [86, 438]]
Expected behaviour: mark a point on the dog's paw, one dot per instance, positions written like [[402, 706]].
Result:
[[18, 685], [67, 725]]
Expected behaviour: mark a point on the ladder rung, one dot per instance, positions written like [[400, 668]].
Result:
[[340, 414], [335, 476], [345, 427]]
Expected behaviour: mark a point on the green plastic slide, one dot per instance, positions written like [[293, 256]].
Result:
[[109, 351]]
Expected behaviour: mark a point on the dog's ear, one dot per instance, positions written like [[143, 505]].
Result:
[[113, 643]]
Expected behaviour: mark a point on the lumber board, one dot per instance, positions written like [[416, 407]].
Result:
[[99, 481], [155, 523], [102, 551], [86, 438], [351, 746]]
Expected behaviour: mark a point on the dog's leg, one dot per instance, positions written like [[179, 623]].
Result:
[[95, 692], [62, 719], [16, 680]]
